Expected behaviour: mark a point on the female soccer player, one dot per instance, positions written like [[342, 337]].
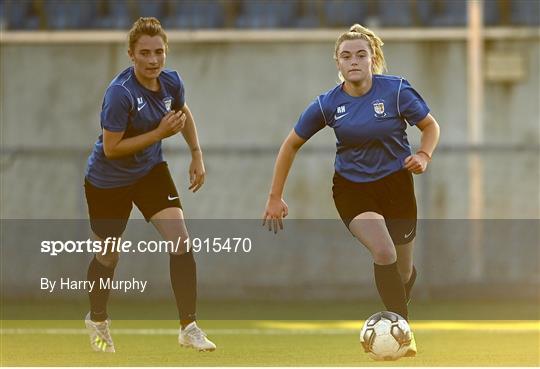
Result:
[[143, 105], [372, 187]]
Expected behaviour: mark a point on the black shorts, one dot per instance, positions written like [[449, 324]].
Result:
[[109, 208], [391, 196]]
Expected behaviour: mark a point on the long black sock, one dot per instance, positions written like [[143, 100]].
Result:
[[410, 283], [98, 296], [184, 284], [391, 288]]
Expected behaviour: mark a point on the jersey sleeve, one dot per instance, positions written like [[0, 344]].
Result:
[[311, 121], [411, 105], [179, 95], [116, 107]]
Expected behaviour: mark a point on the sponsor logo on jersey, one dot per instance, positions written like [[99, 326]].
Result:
[[338, 117], [340, 112], [140, 103]]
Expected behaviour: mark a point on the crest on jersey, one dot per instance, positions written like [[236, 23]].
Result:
[[168, 102], [378, 107]]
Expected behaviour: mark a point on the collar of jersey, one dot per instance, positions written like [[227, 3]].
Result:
[[358, 97], [157, 93]]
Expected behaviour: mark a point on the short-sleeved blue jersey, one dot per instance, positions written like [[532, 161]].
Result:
[[131, 108], [370, 129]]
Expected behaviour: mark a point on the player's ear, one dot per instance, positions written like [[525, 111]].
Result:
[[130, 54]]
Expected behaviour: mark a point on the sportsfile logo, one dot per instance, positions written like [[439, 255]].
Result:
[[121, 245]]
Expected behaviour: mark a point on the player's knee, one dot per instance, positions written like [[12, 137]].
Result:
[[109, 260], [384, 255], [183, 247]]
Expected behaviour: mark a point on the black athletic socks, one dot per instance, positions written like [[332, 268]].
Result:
[[184, 284], [98, 296], [409, 285], [391, 288]]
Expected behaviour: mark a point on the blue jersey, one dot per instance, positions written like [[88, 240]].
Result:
[[131, 108], [370, 129]]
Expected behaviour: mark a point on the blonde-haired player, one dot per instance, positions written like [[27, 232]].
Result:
[[372, 187]]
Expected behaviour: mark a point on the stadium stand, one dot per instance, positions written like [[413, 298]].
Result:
[[259, 14], [525, 12], [442, 13], [195, 14], [267, 13], [155, 8], [66, 14], [309, 14], [342, 13], [395, 13], [21, 15], [112, 15]]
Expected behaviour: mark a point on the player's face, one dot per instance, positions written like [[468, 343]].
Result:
[[354, 60], [148, 56]]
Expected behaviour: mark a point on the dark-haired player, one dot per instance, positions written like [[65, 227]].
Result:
[[143, 105]]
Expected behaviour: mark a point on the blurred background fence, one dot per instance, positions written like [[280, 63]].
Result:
[[250, 68]]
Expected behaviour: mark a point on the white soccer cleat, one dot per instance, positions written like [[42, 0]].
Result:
[[193, 336], [100, 335]]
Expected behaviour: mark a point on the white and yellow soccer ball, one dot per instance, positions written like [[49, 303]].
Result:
[[385, 336]]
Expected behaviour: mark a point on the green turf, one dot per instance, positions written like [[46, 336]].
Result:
[[436, 348], [276, 310], [264, 341]]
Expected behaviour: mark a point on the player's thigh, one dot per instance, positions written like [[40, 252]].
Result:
[[157, 198], [352, 199], [156, 191], [108, 209], [359, 210], [399, 207], [170, 224], [370, 229]]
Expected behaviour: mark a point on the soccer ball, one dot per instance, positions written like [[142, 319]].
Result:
[[385, 336]]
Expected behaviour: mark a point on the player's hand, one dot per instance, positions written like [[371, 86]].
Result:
[[276, 209], [171, 124], [197, 174], [416, 163]]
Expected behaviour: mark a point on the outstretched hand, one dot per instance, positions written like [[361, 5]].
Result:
[[276, 209]]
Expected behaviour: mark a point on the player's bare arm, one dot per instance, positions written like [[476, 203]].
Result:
[[197, 172], [115, 146], [418, 162], [276, 209]]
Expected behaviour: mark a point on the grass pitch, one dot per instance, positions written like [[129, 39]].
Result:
[[279, 342], [268, 343]]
